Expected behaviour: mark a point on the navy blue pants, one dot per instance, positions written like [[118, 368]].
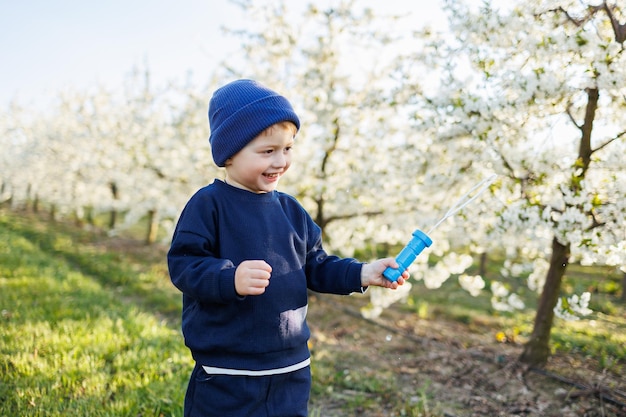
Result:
[[284, 395]]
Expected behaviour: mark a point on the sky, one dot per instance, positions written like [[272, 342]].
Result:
[[47, 46]]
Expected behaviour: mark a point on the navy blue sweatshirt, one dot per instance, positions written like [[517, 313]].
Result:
[[220, 227]]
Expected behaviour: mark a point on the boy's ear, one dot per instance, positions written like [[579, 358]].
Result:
[[228, 162]]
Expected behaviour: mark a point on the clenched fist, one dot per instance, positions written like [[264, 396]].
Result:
[[252, 277]]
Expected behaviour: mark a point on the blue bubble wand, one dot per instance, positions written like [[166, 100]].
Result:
[[421, 241]]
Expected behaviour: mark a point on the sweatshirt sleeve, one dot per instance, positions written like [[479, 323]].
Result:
[[194, 267], [329, 273]]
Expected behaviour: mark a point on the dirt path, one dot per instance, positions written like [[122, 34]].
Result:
[[454, 371]]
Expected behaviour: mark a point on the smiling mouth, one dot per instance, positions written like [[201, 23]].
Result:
[[271, 176]]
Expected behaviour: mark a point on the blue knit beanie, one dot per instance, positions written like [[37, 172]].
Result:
[[239, 112]]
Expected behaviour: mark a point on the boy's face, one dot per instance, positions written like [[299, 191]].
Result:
[[262, 162]]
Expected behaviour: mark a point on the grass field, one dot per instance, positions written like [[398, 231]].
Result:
[[86, 330], [90, 325]]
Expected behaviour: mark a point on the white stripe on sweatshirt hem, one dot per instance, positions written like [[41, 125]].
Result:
[[212, 370]]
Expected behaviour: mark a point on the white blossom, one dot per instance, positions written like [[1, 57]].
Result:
[[537, 277], [571, 308], [503, 300], [472, 284]]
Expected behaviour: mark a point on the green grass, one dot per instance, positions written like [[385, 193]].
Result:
[[84, 331]]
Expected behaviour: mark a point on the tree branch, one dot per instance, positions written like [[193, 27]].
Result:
[[595, 222], [330, 219], [618, 28], [571, 116], [578, 22], [617, 137]]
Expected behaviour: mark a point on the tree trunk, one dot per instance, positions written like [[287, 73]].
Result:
[[89, 216], [112, 219], [624, 287], [28, 199], [9, 199], [113, 212], [537, 349], [153, 227], [79, 218], [482, 268]]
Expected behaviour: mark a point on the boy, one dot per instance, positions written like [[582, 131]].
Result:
[[244, 255]]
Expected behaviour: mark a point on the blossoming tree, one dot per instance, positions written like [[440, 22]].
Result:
[[537, 92]]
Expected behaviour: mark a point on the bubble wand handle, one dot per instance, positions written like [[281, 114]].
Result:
[[407, 255], [421, 240]]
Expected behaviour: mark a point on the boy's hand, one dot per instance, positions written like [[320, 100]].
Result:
[[372, 274], [252, 277]]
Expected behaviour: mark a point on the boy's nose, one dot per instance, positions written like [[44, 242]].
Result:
[[280, 159]]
